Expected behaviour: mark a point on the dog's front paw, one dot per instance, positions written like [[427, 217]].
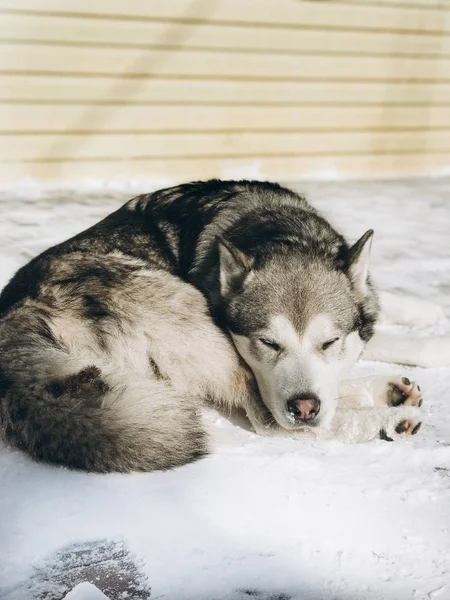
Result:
[[403, 392], [403, 423], [396, 391], [408, 427]]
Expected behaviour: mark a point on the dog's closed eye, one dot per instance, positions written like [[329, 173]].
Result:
[[329, 343], [270, 344]]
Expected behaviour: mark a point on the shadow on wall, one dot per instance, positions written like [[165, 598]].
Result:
[[127, 84]]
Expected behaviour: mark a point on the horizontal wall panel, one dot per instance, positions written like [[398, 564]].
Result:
[[28, 118], [55, 88], [424, 4], [281, 168], [178, 145], [64, 59], [115, 32], [289, 13], [195, 88]]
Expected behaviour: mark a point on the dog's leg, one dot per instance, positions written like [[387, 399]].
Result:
[[369, 408], [349, 424], [366, 424], [372, 407], [391, 347], [389, 391], [406, 310], [394, 348]]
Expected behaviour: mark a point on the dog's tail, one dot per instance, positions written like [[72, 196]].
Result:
[[90, 422]]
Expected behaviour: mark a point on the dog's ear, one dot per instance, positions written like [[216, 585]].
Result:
[[235, 266], [358, 267]]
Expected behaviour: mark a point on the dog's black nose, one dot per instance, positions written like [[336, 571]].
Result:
[[305, 407]]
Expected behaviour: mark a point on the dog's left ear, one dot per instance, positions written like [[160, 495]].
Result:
[[358, 268], [235, 266]]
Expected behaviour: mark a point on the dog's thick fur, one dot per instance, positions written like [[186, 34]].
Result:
[[111, 342]]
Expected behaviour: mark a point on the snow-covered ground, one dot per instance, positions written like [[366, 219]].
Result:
[[259, 519]]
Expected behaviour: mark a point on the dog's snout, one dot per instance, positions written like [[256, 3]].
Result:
[[305, 407]]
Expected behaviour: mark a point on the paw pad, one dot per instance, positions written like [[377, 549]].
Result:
[[404, 392], [407, 426]]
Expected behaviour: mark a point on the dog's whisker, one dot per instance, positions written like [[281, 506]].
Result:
[[347, 396]]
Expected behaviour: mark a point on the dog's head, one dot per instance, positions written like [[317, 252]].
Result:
[[298, 322]]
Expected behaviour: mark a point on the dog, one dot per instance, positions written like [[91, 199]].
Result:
[[236, 295]]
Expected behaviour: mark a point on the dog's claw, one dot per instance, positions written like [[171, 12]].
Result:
[[416, 428]]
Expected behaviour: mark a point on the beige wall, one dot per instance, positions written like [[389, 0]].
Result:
[[198, 88]]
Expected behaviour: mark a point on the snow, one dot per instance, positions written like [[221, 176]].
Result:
[[85, 591], [260, 518]]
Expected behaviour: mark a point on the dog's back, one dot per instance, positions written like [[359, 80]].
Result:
[[106, 356]]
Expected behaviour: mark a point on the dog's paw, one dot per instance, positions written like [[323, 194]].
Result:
[[396, 391], [403, 392], [405, 422], [408, 427]]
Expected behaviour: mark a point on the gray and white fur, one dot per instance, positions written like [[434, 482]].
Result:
[[233, 295]]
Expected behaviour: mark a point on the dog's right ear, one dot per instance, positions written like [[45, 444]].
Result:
[[235, 266]]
